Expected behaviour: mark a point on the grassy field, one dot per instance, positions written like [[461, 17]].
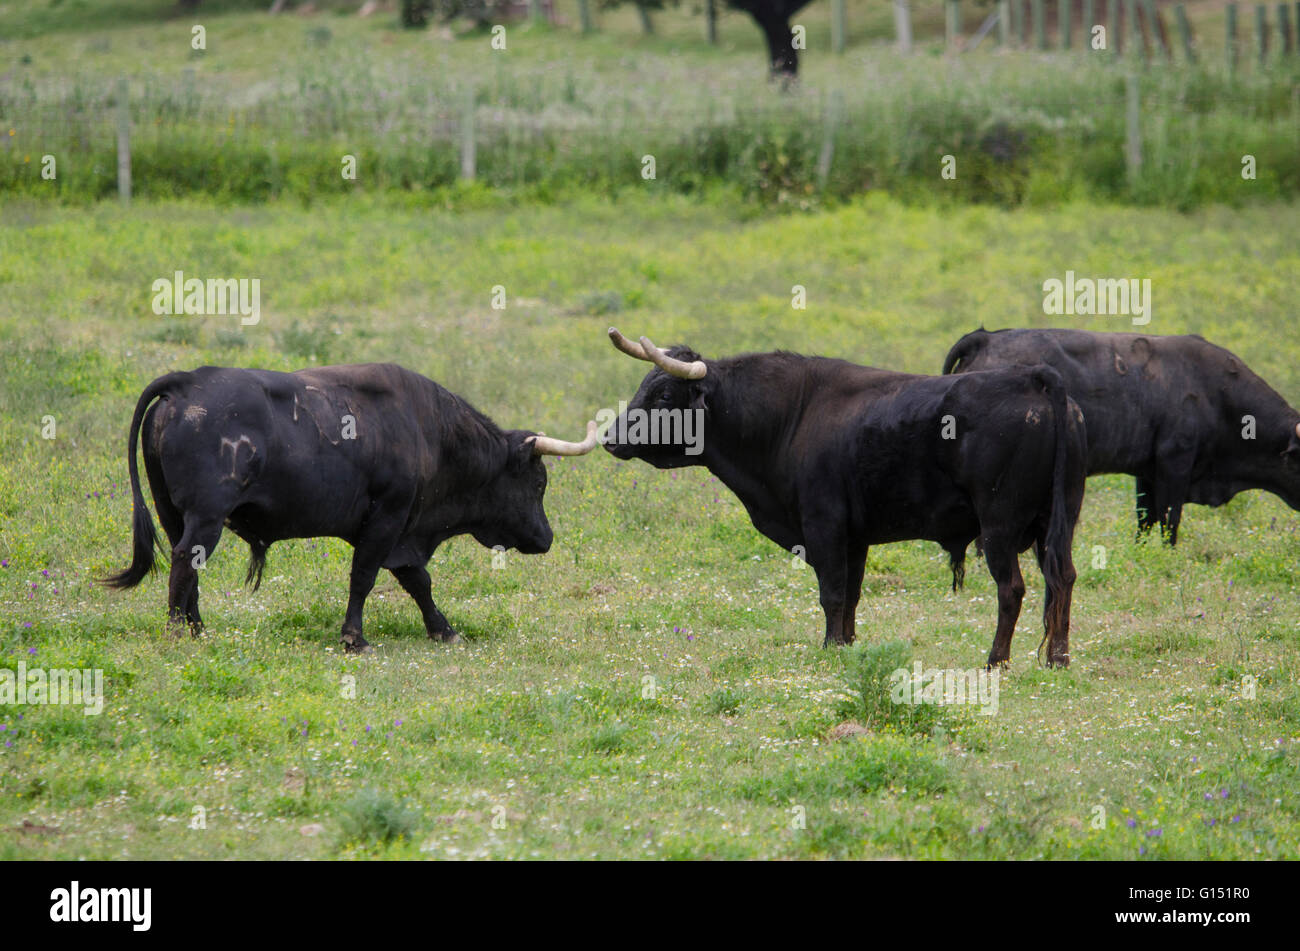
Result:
[[1174, 734], [270, 106]]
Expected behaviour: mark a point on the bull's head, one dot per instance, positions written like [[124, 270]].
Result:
[[664, 423], [518, 517]]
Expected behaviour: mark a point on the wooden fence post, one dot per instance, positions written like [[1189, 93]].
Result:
[[584, 13], [1132, 31], [1040, 24], [647, 24], [1086, 23], [831, 122], [1261, 31], [468, 157], [951, 23], [903, 25], [123, 142], [1284, 28], [1112, 26], [1156, 23], [839, 26], [1230, 38], [1004, 23], [1064, 18], [711, 21], [1185, 31]]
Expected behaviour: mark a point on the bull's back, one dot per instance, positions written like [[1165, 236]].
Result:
[[924, 454], [294, 454], [1130, 387]]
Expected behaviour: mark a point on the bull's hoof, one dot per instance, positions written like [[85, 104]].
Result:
[[355, 644], [448, 636], [1003, 663], [179, 627], [1060, 660]]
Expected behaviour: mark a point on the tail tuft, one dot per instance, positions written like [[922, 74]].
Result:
[[256, 562], [144, 540]]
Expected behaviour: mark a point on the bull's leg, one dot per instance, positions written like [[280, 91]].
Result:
[[1170, 498], [857, 567], [416, 582], [198, 541], [829, 558], [1004, 565], [173, 523], [368, 554], [1146, 504], [1172, 485]]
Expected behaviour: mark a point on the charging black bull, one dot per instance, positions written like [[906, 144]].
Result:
[[375, 454]]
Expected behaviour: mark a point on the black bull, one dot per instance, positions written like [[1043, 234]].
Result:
[[835, 457], [1187, 418], [374, 454]]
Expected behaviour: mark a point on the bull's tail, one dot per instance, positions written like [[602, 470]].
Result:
[[1056, 561], [144, 536], [965, 350]]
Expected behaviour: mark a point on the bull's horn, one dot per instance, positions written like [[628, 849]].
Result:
[[549, 446], [1297, 429], [627, 346], [694, 370]]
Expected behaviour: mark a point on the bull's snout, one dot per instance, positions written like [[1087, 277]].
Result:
[[539, 542], [619, 450]]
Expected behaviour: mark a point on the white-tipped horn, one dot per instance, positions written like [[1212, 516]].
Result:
[[694, 370], [627, 346], [1297, 429], [548, 446]]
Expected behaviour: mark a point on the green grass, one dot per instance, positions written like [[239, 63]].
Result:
[[654, 686]]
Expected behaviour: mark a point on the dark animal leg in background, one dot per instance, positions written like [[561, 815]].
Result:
[[1146, 504], [1004, 565], [183, 586], [856, 568], [415, 580]]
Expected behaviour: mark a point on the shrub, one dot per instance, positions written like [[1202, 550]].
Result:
[[869, 670]]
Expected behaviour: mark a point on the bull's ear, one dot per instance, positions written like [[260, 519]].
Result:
[[521, 449], [699, 396], [1292, 451]]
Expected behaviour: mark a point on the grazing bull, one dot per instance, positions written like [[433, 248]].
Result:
[[1187, 418], [835, 457], [374, 454]]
